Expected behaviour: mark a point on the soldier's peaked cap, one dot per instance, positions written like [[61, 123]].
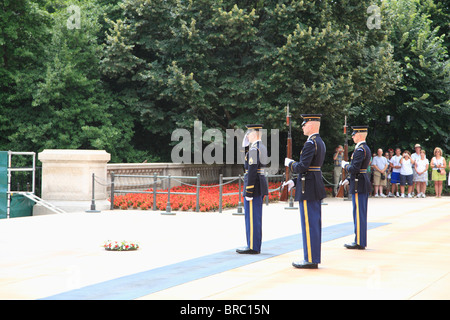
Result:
[[254, 126], [358, 129], [310, 117]]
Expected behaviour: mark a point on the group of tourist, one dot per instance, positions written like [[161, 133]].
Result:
[[391, 168]]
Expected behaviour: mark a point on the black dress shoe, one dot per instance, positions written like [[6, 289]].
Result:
[[354, 245], [305, 265], [246, 250]]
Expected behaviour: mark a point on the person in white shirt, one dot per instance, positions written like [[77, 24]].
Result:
[[421, 168], [406, 173], [380, 166], [415, 156], [395, 174]]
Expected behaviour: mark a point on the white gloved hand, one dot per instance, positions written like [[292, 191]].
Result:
[[287, 161], [344, 163], [245, 141], [289, 183], [249, 198], [344, 182]]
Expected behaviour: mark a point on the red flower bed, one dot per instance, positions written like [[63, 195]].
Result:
[[209, 198]]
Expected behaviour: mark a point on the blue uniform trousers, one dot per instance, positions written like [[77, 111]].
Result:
[[359, 201], [253, 222], [311, 220]]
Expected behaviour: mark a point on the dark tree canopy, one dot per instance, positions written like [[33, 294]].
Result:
[[133, 71]]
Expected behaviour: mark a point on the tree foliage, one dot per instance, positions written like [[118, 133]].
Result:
[[136, 70], [228, 63], [57, 98], [421, 103]]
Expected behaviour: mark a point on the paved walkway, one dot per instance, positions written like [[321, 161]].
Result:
[[191, 255]]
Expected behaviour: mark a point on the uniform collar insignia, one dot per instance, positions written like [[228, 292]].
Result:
[[360, 143]]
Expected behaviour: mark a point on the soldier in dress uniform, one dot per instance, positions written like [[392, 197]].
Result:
[[360, 186], [255, 188], [310, 190]]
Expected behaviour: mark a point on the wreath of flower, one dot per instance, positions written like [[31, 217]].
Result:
[[123, 245]]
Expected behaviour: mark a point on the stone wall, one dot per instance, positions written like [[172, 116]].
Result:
[[209, 174], [67, 177]]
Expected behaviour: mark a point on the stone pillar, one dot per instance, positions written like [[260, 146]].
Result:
[[67, 179]]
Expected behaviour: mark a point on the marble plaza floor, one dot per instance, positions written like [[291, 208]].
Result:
[[192, 255]]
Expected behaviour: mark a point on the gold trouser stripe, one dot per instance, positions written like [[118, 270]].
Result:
[[251, 224], [358, 241], [308, 237]]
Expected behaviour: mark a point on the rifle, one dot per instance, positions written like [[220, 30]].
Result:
[[284, 193], [340, 193]]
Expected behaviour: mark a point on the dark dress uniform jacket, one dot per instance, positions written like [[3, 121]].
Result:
[[309, 165], [255, 183], [358, 168]]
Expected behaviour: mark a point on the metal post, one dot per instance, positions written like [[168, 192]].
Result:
[[291, 201], [197, 196], [8, 194], [93, 195], [34, 173], [112, 191], [155, 179], [239, 207], [349, 198], [267, 182], [168, 208], [8, 205], [220, 192]]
